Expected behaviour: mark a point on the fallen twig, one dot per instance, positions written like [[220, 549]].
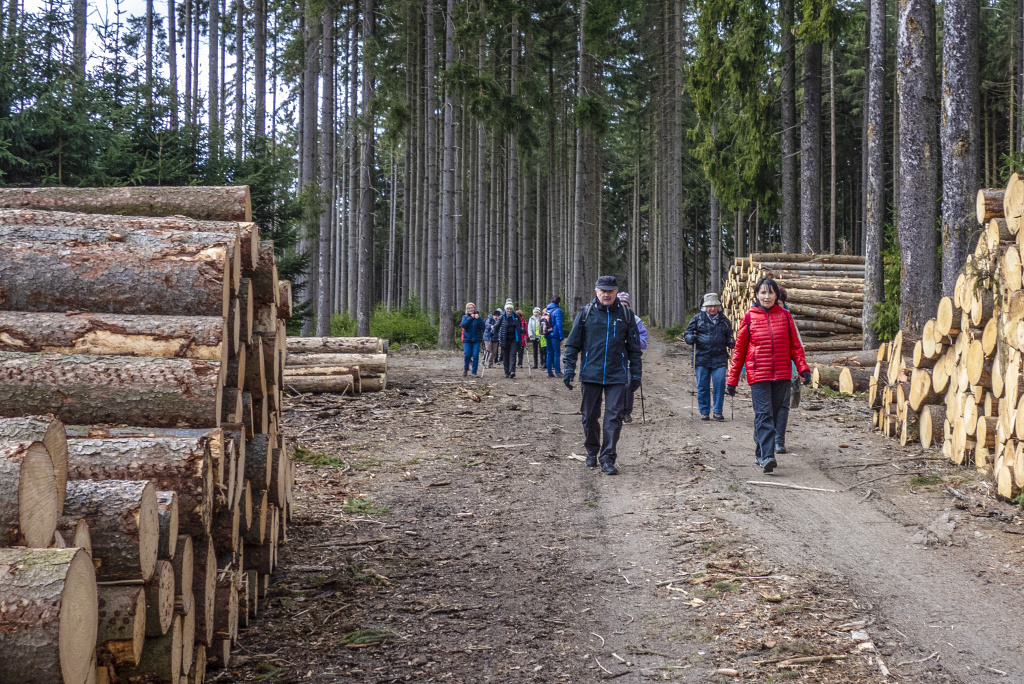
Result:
[[599, 637], [508, 446], [918, 661], [791, 486], [810, 660], [601, 666], [881, 477]]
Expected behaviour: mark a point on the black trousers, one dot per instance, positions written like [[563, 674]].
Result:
[[509, 354], [602, 437], [536, 354]]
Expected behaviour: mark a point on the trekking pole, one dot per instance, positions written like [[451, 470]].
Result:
[[643, 411], [732, 407], [529, 369], [483, 368]]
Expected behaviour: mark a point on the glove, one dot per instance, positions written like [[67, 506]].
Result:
[[634, 384], [567, 380], [731, 390], [806, 375]]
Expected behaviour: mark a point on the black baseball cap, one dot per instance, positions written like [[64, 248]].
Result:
[[607, 283]]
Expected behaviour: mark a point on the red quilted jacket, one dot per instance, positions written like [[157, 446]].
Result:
[[766, 342]]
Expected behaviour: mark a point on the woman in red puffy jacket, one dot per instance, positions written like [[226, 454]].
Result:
[[766, 342]]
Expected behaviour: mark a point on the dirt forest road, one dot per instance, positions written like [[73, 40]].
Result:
[[443, 539]]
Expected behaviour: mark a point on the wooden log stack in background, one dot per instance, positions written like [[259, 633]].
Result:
[[825, 295], [960, 387], [336, 364], [142, 346]]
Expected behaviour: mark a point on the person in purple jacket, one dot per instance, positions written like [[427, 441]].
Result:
[[627, 413]]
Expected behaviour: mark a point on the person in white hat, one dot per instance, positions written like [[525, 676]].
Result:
[[533, 334], [710, 333], [510, 328]]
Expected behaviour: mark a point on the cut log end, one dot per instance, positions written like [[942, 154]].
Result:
[[28, 494]]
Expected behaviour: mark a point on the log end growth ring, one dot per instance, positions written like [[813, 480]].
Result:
[[37, 497]]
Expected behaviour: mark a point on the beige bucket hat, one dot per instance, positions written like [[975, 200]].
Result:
[[711, 299]]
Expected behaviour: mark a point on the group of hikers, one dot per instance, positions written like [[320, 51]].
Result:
[[609, 339]]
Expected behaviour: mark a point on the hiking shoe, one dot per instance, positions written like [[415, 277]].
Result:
[[609, 469], [719, 417], [465, 373], [780, 450], [769, 466], [592, 461], [705, 416], [559, 375], [628, 418]]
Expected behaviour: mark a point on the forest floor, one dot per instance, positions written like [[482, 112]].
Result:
[[441, 539]]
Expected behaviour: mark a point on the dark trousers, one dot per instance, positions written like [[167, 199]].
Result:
[[782, 419], [509, 354], [536, 352], [602, 437], [522, 353], [768, 397]]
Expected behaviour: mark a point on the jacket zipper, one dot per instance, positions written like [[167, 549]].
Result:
[[771, 366]]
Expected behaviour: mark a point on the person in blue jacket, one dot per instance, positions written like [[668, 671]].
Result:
[[554, 337], [472, 336], [605, 333], [711, 335], [509, 332], [627, 410]]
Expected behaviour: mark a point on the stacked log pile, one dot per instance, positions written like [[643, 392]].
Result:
[[960, 386], [144, 484], [336, 364], [825, 294]]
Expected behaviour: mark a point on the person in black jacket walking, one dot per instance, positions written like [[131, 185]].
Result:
[[510, 327], [711, 334], [605, 333]]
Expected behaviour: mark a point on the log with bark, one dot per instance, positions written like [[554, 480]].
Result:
[[264, 276], [122, 622], [335, 384], [183, 565], [988, 204], [758, 258], [28, 495], [834, 315], [191, 337], [932, 418], [207, 203], [812, 267], [335, 345], [826, 299], [112, 389], [161, 659], [176, 280], [922, 390], [74, 534], [188, 641], [182, 464], [51, 433], [843, 285], [284, 306], [806, 325], [204, 585], [124, 525], [167, 510], [48, 625], [160, 599], [369, 364]]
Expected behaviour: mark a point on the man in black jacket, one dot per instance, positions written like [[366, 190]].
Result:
[[605, 333], [710, 333]]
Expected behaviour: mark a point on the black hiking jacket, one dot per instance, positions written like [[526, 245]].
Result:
[[609, 342]]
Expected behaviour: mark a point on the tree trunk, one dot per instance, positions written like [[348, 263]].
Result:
[[355, 168], [213, 96], [239, 77], [79, 20], [431, 233], [874, 228], [810, 150], [259, 64], [307, 178], [327, 127], [446, 285], [336, 345], [149, 57], [122, 622], [366, 217], [790, 222], [919, 154], [188, 63], [124, 525], [28, 492], [960, 138], [48, 628], [213, 203]]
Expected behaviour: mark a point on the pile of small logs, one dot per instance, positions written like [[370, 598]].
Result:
[[144, 484], [960, 386], [336, 364], [825, 294], [844, 374]]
